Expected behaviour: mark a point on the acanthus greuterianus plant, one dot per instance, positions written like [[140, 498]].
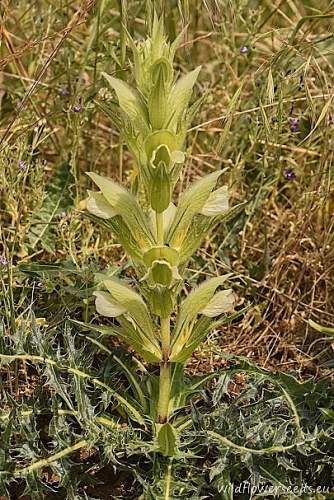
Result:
[[159, 236]]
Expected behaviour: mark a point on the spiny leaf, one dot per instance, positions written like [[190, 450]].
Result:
[[167, 440]]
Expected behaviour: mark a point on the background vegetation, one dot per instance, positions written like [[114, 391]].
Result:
[[267, 118]]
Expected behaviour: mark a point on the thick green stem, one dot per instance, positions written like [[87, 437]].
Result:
[[164, 392], [168, 480], [165, 338], [160, 227], [165, 372], [165, 367]]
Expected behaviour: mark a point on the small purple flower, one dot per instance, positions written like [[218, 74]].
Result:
[[294, 124], [22, 165], [77, 108], [3, 260], [289, 174], [243, 50], [64, 92]]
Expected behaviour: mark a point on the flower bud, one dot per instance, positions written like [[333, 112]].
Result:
[[162, 301], [160, 189], [157, 102]]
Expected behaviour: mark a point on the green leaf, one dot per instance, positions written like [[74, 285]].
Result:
[[126, 237], [145, 347], [130, 102], [197, 231], [167, 440], [97, 205], [180, 97], [198, 300], [190, 340], [191, 203], [143, 344], [125, 205], [328, 414], [58, 199], [187, 335], [106, 306], [217, 203], [221, 302], [132, 302]]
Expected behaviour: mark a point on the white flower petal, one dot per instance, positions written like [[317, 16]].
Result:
[[169, 214], [98, 205], [217, 202], [106, 306], [221, 302], [178, 157]]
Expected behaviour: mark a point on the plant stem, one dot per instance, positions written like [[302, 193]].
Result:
[[165, 337], [168, 479], [165, 372], [165, 367], [160, 227], [164, 392]]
